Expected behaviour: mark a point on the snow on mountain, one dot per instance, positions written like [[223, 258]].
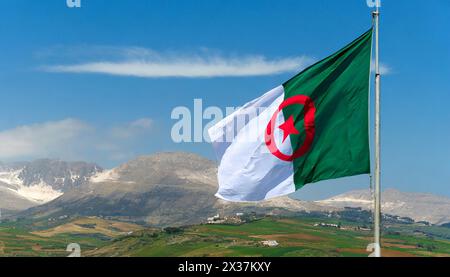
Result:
[[105, 176], [40, 193], [38, 182], [11, 177]]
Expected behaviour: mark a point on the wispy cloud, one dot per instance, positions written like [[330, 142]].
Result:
[[141, 62], [132, 129], [384, 68], [71, 139]]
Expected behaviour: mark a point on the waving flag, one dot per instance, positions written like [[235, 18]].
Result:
[[313, 127]]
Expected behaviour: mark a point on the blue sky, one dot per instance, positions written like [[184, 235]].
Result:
[[61, 100]]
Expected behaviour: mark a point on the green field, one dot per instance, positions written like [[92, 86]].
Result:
[[27, 238], [296, 237]]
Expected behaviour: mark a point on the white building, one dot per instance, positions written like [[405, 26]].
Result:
[[270, 243], [213, 219]]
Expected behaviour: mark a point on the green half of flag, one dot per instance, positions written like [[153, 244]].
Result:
[[338, 90]]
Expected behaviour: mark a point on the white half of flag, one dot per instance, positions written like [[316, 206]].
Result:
[[247, 170]]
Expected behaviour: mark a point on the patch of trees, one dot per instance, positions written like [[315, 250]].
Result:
[[173, 230]]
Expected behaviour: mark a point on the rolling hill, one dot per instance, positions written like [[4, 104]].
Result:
[[295, 237]]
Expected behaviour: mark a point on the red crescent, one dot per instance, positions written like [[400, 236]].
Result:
[[309, 125]]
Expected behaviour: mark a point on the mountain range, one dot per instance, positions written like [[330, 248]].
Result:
[[167, 189], [418, 206], [28, 184]]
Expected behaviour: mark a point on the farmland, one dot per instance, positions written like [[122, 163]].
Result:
[[295, 237]]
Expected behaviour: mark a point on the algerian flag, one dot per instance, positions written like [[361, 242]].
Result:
[[313, 127]]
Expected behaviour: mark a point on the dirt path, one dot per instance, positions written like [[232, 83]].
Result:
[[290, 236]]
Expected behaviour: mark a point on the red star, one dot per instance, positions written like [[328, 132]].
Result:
[[288, 128]]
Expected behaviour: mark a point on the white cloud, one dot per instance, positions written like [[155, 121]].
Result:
[[71, 139], [147, 63], [141, 62], [142, 123], [41, 139], [132, 129]]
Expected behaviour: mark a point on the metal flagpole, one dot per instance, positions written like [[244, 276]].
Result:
[[377, 195], [376, 245]]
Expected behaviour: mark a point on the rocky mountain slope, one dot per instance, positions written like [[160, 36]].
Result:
[[418, 206], [162, 189], [23, 185]]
